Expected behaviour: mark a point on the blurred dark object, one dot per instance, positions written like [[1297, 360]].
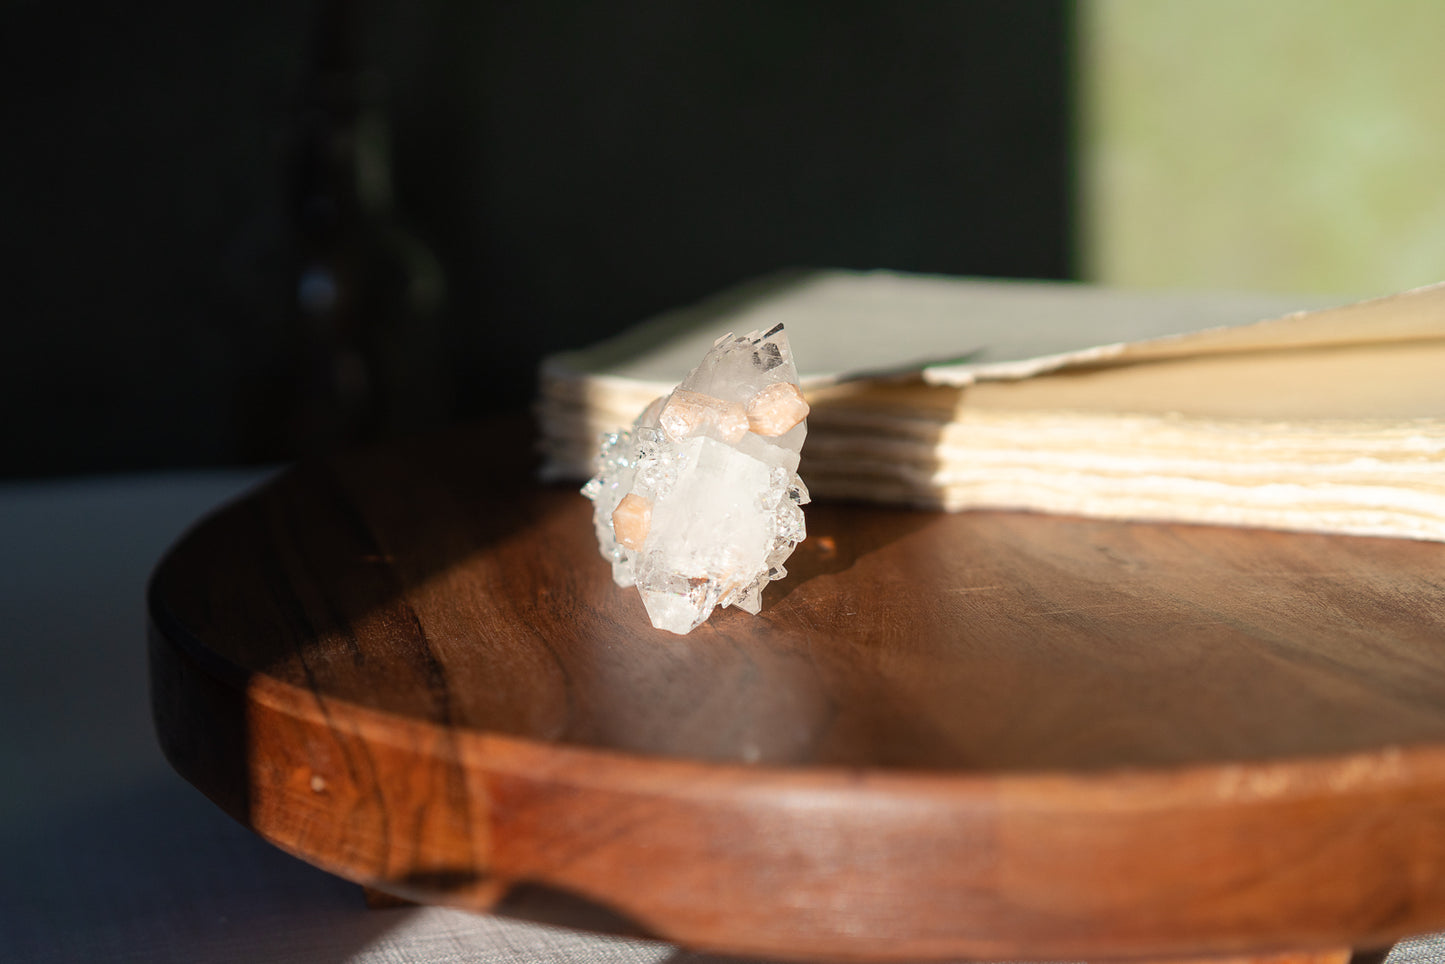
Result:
[[361, 351], [574, 168]]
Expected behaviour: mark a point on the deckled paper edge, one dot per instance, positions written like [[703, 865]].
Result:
[[1423, 318]]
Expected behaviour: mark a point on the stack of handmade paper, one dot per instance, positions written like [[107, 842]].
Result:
[[958, 394]]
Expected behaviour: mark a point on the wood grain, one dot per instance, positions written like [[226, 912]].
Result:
[[989, 735]]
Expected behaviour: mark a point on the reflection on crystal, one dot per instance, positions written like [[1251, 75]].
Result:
[[700, 503]]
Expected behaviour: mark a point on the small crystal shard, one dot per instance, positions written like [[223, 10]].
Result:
[[699, 504]]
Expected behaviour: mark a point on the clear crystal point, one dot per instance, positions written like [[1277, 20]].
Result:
[[704, 489]]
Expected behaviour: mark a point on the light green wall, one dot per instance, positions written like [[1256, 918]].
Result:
[[1281, 145]]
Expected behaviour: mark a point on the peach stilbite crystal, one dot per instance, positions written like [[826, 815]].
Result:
[[776, 409], [686, 414], [699, 504], [631, 520]]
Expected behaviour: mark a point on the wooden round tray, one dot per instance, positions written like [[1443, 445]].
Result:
[[991, 735]]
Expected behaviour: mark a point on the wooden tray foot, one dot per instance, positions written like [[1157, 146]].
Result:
[[381, 900], [1375, 955], [1335, 956]]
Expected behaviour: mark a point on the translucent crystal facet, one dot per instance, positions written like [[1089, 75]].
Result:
[[699, 504]]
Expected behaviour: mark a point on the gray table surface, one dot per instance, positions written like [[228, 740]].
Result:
[[106, 854]]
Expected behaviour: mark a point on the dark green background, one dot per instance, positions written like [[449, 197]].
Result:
[[575, 167]]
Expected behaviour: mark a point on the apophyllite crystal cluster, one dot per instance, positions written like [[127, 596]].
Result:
[[699, 504]]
